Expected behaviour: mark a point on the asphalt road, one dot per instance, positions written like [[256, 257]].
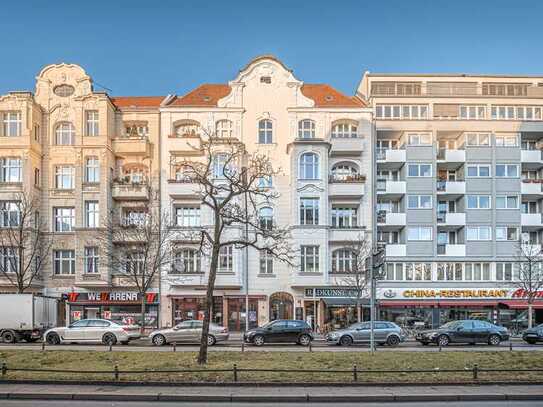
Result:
[[71, 403]]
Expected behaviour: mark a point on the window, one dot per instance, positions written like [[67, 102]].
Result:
[[306, 129], [343, 261], [187, 261], [449, 271], [134, 263], [134, 217], [223, 128], [65, 134], [10, 214], [309, 166], [505, 89], [507, 140], [345, 130], [419, 202], [187, 216], [11, 124], [187, 128], [395, 88], [92, 123], [498, 112], [410, 112], [36, 177], [420, 170], [419, 139], [309, 259], [418, 271], [139, 129], [92, 170], [394, 271], [479, 233], [9, 260], [472, 112], [226, 259], [508, 233], [309, 211], [344, 217], [64, 219], [344, 172], [220, 165], [92, 214], [477, 271], [64, 177], [265, 182], [507, 170], [478, 139], [507, 202], [265, 218], [11, 170], [478, 201], [504, 271], [419, 233], [64, 261], [91, 260], [478, 170], [266, 262], [36, 132], [265, 131]]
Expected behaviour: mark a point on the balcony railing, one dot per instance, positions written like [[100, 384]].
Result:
[[346, 179]]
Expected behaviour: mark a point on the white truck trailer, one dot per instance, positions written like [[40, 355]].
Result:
[[26, 316]]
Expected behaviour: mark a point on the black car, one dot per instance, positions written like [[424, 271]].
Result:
[[468, 331], [533, 335], [280, 331]]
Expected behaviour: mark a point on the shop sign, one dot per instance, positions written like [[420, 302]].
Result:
[[455, 293], [76, 315], [521, 293], [331, 292], [111, 296]]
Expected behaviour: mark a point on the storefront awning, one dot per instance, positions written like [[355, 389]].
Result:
[[341, 302], [516, 304]]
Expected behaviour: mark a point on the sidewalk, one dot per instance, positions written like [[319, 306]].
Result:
[[274, 394]]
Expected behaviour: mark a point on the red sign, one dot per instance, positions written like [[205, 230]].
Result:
[[522, 293], [131, 297]]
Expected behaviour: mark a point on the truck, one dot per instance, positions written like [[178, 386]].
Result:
[[26, 316]]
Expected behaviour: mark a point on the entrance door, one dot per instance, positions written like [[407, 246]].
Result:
[[281, 306], [92, 313]]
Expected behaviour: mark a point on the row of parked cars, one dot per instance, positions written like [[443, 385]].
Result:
[[287, 331]]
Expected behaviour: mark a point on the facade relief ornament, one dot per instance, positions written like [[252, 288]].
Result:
[[312, 188]]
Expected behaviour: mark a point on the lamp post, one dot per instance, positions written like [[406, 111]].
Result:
[[246, 254]]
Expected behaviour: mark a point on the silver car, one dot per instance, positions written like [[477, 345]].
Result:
[[384, 333], [92, 330], [188, 331]]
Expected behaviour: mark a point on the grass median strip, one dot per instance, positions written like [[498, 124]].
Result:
[[324, 361]]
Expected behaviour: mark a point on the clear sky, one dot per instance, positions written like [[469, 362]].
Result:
[[159, 47]]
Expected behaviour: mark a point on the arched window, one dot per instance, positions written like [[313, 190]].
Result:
[[186, 261], [184, 128], [265, 218], [223, 128], [265, 131], [345, 129], [309, 166], [306, 129], [65, 134], [343, 261], [344, 172]]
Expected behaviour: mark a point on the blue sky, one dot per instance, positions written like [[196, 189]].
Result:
[[159, 47]]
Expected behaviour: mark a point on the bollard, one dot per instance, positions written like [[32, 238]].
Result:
[[355, 373], [310, 346], [475, 371], [110, 347], [440, 347], [510, 346], [235, 372], [43, 346], [174, 346], [242, 345], [116, 371], [4, 369]]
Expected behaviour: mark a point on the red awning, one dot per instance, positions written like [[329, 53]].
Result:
[[521, 304]]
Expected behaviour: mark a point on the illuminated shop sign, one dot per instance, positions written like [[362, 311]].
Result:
[[331, 292], [448, 293], [111, 296]]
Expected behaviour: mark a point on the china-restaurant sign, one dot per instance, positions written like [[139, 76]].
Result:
[[467, 293], [111, 297]]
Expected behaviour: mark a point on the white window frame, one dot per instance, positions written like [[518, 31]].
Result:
[[224, 128], [507, 168], [417, 271], [187, 260], [419, 166], [344, 217], [309, 214], [226, 259], [65, 134], [506, 202], [265, 131], [419, 233], [12, 124], [306, 129], [91, 260], [11, 170], [64, 177], [188, 216], [475, 233], [478, 168], [479, 207], [309, 168], [62, 258], [419, 201], [92, 123], [265, 263], [419, 139], [63, 219], [92, 214], [92, 170], [481, 139], [502, 233], [343, 260], [344, 129], [506, 140], [502, 273], [472, 112], [265, 218], [399, 112], [451, 272], [470, 269], [10, 214], [309, 255]]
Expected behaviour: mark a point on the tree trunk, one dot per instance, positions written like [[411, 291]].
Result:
[[530, 312], [202, 356], [142, 327]]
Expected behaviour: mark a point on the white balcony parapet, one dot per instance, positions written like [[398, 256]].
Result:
[[531, 156], [451, 187], [391, 187], [452, 219], [395, 250], [453, 250], [531, 219], [455, 156], [392, 219], [532, 188], [391, 155]]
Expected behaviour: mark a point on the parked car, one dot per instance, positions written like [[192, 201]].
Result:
[[188, 331], [280, 331], [533, 335], [92, 330], [384, 332], [468, 331]]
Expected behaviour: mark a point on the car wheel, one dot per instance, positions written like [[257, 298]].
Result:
[[393, 340], [109, 339], [494, 340], [304, 340], [159, 340], [258, 340], [346, 340], [9, 337], [211, 340], [443, 340], [52, 339]]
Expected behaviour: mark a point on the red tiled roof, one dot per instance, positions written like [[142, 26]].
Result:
[[204, 95], [326, 96], [137, 101]]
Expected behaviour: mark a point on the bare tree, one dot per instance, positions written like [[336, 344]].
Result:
[[137, 248], [24, 244], [529, 274], [355, 275], [233, 185]]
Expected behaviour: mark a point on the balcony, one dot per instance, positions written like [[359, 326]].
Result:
[[532, 187], [347, 186], [346, 146], [451, 156], [452, 250], [531, 159], [390, 220], [451, 220], [130, 192], [531, 221], [391, 189], [132, 146], [451, 187], [395, 250], [346, 234], [183, 188]]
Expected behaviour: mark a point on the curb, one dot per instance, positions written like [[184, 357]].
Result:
[[369, 398]]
